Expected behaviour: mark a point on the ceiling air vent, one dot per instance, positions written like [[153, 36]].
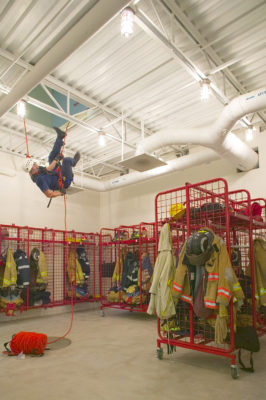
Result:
[[142, 162]]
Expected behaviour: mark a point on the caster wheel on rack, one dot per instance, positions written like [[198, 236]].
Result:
[[160, 354], [234, 371], [102, 313]]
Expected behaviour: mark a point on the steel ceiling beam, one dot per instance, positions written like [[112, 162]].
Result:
[[69, 91], [192, 32], [147, 25], [71, 118], [172, 8], [85, 28]]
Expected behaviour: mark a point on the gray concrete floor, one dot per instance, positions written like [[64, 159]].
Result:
[[114, 357]]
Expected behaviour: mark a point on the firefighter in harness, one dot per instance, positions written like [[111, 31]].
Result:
[[56, 178]]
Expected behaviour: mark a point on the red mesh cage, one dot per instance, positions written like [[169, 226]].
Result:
[[84, 290], [55, 288], [130, 247], [258, 232], [230, 215]]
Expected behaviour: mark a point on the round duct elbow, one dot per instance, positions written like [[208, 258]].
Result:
[[238, 153]]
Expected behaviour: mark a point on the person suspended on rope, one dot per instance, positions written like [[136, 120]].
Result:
[[54, 179]]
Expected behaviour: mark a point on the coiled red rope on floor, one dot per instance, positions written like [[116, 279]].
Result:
[[27, 343]]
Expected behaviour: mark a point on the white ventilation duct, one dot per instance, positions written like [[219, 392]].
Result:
[[225, 145], [204, 156], [217, 136]]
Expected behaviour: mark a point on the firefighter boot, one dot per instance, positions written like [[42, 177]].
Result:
[[60, 134], [76, 158]]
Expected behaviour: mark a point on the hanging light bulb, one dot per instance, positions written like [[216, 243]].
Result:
[[101, 139], [127, 17], [249, 133], [205, 89], [21, 109]]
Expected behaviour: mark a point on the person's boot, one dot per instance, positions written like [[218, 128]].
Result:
[[60, 133], [76, 158]]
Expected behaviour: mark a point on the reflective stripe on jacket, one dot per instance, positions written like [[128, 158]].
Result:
[[259, 254], [75, 274], [42, 274], [222, 282], [23, 268], [10, 272], [117, 274], [83, 260]]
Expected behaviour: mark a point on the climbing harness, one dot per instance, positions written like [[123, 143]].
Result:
[[58, 169]]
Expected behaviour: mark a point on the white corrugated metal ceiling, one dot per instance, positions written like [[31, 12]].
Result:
[[130, 86]]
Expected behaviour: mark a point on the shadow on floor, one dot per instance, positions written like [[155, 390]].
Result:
[[60, 344]]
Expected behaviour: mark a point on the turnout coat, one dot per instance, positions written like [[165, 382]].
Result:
[[161, 301]]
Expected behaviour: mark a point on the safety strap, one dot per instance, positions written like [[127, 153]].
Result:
[[60, 181], [10, 353], [26, 137], [247, 369]]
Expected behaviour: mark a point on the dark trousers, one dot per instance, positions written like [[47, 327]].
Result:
[[67, 164]]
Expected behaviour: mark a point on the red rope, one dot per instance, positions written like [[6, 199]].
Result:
[[67, 255], [27, 343], [69, 274], [60, 181], [25, 129], [31, 342]]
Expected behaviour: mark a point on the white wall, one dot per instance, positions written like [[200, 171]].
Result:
[[135, 203], [22, 202]]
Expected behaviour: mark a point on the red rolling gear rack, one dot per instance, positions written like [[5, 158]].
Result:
[[236, 229], [53, 243], [245, 229], [259, 231], [114, 244]]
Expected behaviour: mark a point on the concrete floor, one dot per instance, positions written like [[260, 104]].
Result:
[[114, 357]]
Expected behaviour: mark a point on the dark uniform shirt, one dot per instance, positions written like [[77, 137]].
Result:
[[47, 182]]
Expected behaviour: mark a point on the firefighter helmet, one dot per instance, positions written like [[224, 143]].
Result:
[[199, 247], [35, 255], [29, 164], [177, 210]]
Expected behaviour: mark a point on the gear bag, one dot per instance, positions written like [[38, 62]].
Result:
[[247, 338]]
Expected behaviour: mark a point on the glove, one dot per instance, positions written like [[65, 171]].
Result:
[[63, 191], [59, 158]]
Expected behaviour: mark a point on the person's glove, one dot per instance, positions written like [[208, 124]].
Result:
[[63, 191], [59, 158]]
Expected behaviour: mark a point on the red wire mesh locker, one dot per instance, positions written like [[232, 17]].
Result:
[[54, 290], [97, 295], [45, 290], [117, 246], [246, 227], [208, 204], [82, 247], [259, 232]]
